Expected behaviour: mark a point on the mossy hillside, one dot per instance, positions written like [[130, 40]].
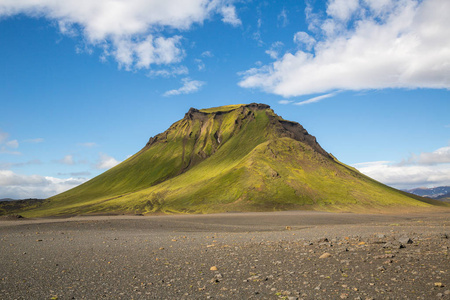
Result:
[[237, 158]]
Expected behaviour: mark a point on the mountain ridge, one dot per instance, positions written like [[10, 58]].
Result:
[[439, 192]]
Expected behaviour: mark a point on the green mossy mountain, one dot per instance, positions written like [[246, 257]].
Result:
[[230, 158]]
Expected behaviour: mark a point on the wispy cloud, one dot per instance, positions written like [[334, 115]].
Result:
[[88, 144], [12, 144], [207, 54], [303, 39], [4, 150], [275, 50], [3, 136], [76, 174], [257, 34], [106, 162], [8, 165], [169, 72], [34, 141], [189, 86], [285, 101], [200, 64], [6, 145], [316, 99], [66, 160], [282, 18], [360, 45], [229, 15]]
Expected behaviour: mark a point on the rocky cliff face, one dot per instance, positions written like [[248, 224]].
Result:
[[211, 121]]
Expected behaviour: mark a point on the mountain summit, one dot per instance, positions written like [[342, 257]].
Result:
[[230, 158]]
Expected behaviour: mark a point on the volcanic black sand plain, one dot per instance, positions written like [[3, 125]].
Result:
[[272, 255]]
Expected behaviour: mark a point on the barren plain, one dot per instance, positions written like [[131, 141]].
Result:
[[277, 255]]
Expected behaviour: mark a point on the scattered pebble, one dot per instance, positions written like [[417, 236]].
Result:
[[325, 255]]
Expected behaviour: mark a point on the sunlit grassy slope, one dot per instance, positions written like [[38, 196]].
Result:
[[231, 158]]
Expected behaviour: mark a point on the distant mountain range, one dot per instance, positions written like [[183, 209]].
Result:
[[440, 192]]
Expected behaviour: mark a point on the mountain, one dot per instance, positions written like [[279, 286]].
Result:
[[445, 197], [434, 193], [11, 206], [230, 158]]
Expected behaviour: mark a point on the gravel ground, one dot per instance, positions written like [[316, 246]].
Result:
[[282, 255]]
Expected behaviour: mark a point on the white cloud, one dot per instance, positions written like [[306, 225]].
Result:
[[283, 18], [34, 141], [372, 164], [3, 136], [106, 162], [76, 174], [316, 99], [303, 38], [275, 50], [312, 18], [285, 101], [207, 54], [158, 51], [200, 64], [342, 9], [149, 51], [132, 31], [6, 146], [393, 44], [439, 156], [4, 150], [379, 6], [9, 165], [229, 15], [257, 34], [169, 72], [88, 144], [189, 86], [17, 186], [406, 176], [428, 169], [67, 160]]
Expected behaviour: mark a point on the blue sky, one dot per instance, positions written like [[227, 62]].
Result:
[[84, 84]]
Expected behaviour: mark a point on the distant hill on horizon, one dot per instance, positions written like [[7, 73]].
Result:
[[27, 199], [231, 158], [439, 192], [12, 206], [8, 199]]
